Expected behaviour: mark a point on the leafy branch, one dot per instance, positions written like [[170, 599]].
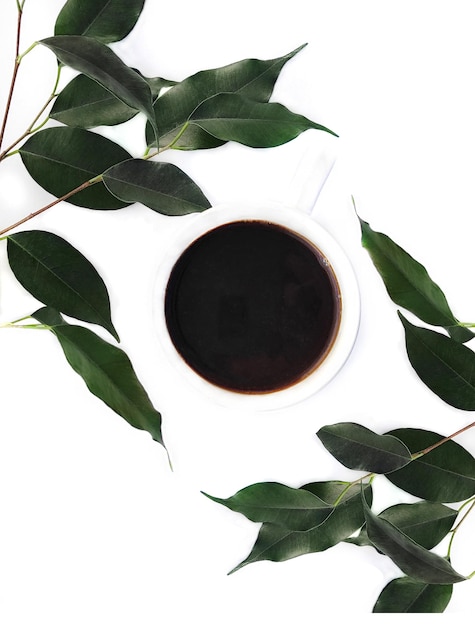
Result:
[[429, 466], [71, 160]]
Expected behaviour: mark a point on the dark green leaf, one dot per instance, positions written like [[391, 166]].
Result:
[[294, 509], [408, 283], [84, 103], [107, 372], [233, 117], [58, 275], [106, 20], [410, 557], [426, 523], [60, 159], [163, 187], [406, 595], [275, 543], [99, 62], [359, 448], [446, 474], [253, 78], [443, 364]]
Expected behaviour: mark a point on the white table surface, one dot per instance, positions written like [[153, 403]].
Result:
[[95, 529]]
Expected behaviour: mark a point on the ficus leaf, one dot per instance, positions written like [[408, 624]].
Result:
[[97, 61], [443, 364], [106, 20], [295, 509], [276, 543], [427, 523], [61, 159], [233, 117], [253, 78], [359, 448], [408, 283], [406, 595], [163, 187], [58, 275], [445, 474], [106, 370], [411, 558], [84, 103]]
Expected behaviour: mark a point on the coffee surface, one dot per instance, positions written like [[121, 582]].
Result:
[[252, 307]]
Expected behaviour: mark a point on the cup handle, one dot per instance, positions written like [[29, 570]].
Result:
[[309, 177]]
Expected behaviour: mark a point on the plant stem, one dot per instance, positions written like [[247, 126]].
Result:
[[25, 326], [31, 128], [470, 502], [85, 185], [150, 155], [439, 443], [14, 74], [349, 485]]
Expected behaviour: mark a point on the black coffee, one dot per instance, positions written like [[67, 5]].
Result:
[[252, 307]]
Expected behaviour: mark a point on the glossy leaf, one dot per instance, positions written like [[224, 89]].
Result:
[[253, 78], [233, 117], [408, 283], [58, 275], [359, 448], [276, 543], [295, 509], [427, 523], [107, 372], [411, 558], [84, 103], [446, 474], [443, 364], [163, 187], [61, 159], [97, 61], [406, 595], [106, 20]]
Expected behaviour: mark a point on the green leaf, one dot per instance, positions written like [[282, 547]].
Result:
[[84, 103], [410, 557], [446, 474], [253, 78], [275, 543], [58, 275], [106, 20], [359, 448], [294, 509], [443, 364], [233, 117], [107, 372], [163, 187], [61, 159], [99, 62], [406, 595], [426, 523], [408, 283]]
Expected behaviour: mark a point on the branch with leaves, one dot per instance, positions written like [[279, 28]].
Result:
[[67, 156], [429, 466]]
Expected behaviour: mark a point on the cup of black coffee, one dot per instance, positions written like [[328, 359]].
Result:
[[258, 307]]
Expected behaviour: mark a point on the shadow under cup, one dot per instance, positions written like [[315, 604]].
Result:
[[258, 307]]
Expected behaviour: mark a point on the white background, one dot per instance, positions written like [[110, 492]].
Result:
[[94, 527]]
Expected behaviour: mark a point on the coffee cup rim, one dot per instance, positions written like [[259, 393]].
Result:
[[304, 226]]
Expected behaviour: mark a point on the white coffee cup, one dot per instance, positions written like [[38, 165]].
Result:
[[306, 228]]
